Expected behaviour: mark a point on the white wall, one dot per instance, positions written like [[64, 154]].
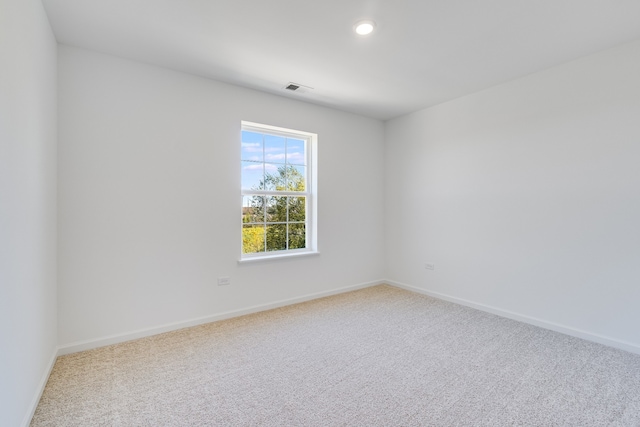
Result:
[[526, 197], [149, 176], [27, 206]]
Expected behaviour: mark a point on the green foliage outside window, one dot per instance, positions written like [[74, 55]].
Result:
[[274, 223]]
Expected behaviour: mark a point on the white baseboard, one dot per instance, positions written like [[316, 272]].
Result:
[[578, 333], [43, 382], [141, 333], [114, 339]]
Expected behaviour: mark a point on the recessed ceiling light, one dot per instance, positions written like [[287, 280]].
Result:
[[364, 27]]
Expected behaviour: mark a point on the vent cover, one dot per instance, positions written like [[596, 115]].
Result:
[[297, 87]]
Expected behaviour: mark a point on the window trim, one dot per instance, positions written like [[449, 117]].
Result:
[[311, 193]]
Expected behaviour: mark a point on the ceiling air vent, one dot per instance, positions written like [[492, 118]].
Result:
[[297, 87]]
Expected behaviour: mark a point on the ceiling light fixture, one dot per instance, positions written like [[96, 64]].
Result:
[[364, 27]]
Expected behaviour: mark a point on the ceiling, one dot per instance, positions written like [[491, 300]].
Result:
[[423, 52]]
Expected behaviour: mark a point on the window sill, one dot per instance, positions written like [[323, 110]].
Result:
[[250, 260]]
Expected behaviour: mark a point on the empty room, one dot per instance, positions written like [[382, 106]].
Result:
[[328, 213]]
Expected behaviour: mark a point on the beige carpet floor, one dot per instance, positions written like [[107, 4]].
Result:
[[374, 357]]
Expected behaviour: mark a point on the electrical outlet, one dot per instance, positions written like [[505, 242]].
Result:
[[223, 281], [430, 266]]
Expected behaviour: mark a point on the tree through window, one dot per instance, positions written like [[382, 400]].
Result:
[[276, 196]]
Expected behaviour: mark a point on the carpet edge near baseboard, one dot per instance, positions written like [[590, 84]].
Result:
[[146, 332], [40, 389], [563, 329]]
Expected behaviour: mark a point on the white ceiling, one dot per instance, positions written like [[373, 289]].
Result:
[[424, 52]]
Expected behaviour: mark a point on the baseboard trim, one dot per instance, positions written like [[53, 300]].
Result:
[[41, 385], [141, 333], [578, 333]]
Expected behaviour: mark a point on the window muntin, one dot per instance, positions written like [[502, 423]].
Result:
[[276, 191]]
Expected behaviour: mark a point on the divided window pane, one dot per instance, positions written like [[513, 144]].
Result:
[[297, 209], [274, 149], [252, 175], [252, 146], [252, 209], [275, 185], [276, 209], [276, 237], [296, 153], [297, 236], [253, 239]]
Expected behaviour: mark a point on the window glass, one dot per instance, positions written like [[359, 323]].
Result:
[[275, 165]]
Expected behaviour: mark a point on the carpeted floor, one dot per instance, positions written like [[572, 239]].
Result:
[[374, 357]]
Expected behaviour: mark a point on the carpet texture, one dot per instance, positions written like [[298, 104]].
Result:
[[380, 356]]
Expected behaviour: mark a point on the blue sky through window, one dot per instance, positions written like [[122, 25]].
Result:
[[264, 153]]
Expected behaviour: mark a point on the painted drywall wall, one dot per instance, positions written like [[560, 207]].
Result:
[[27, 206], [526, 196], [149, 214]]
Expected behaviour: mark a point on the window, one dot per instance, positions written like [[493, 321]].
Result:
[[278, 196]]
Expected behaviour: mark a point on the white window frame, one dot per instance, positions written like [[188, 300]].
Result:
[[310, 193]]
